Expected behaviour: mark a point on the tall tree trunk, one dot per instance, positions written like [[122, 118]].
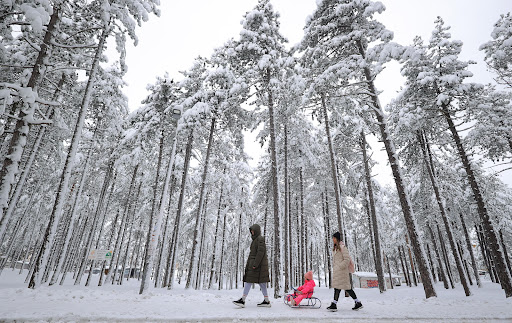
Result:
[[505, 253], [411, 258], [152, 236], [200, 265], [286, 215], [188, 153], [96, 216], [165, 195], [389, 272], [373, 213], [76, 237], [302, 229], [164, 236], [288, 248], [432, 267], [438, 256], [333, 165], [42, 257], [470, 249], [221, 282], [273, 158], [116, 253], [404, 269], [410, 220], [19, 137], [444, 216], [328, 233], [237, 267], [461, 252], [104, 216], [72, 219], [193, 259], [505, 280], [131, 228], [483, 250], [214, 251], [445, 256]]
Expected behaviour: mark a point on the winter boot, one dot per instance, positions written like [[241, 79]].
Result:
[[357, 306], [265, 303], [332, 308], [240, 302]]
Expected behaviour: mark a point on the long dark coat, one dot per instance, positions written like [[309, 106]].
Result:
[[257, 258]]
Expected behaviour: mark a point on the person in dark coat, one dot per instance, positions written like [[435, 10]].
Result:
[[256, 268]]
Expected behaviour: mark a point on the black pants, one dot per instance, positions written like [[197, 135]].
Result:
[[349, 291]]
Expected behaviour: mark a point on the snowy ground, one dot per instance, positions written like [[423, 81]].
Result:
[[124, 304]]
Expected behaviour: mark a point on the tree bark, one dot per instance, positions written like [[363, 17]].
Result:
[[404, 268], [333, 165], [153, 229], [273, 158], [188, 153], [444, 216], [410, 219], [438, 256], [286, 215], [445, 255], [164, 235], [221, 282], [302, 230], [327, 225], [373, 213], [214, 251], [505, 253], [99, 209], [470, 249]]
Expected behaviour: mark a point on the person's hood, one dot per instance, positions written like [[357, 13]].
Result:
[[257, 231]]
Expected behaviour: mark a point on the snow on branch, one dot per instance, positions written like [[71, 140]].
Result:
[[25, 93]]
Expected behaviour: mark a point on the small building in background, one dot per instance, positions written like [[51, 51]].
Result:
[[369, 280]]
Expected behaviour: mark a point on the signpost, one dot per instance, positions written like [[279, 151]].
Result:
[[100, 254]]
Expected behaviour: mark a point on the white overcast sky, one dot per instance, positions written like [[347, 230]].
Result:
[[187, 29]]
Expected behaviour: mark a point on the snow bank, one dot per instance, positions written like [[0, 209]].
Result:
[[123, 303]]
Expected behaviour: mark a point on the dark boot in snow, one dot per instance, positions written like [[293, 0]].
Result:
[[332, 308], [265, 303], [357, 306], [240, 302]]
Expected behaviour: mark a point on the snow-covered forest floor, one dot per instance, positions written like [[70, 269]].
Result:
[[124, 304]]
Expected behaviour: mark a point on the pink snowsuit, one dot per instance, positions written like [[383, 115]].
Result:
[[307, 291]]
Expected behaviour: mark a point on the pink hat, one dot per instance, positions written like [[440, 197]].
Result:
[[309, 275]]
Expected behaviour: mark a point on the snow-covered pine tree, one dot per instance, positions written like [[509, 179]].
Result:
[[125, 13], [258, 54], [437, 75], [358, 47], [498, 51]]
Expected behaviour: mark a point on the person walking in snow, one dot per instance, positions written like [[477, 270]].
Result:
[[304, 291], [256, 268], [341, 274]]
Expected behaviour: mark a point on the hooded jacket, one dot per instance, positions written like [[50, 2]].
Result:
[[307, 288], [256, 268]]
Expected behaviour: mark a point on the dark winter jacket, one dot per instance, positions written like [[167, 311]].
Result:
[[257, 259]]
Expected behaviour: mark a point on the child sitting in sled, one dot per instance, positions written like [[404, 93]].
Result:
[[304, 291]]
